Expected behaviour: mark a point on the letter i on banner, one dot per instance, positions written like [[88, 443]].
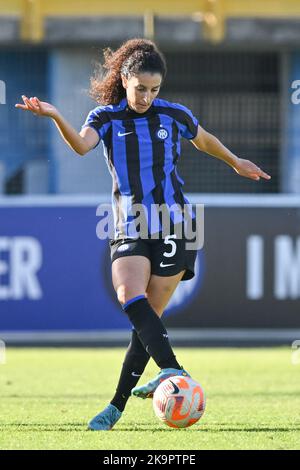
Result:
[[2, 92], [2, 353]]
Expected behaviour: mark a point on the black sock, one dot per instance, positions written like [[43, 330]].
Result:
[[135, 362], [151, 332]]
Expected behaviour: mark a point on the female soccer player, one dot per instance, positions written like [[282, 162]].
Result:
[[141, 138]]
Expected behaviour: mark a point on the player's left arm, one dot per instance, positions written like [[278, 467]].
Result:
[[209, 144]]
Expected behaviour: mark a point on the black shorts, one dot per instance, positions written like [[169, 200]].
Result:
[[167, 256]]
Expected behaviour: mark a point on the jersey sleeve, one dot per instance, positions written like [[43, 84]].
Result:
[[98, 119], [188, 123]]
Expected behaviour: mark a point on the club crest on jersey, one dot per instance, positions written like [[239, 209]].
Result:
[[123, 247], [162, 133]]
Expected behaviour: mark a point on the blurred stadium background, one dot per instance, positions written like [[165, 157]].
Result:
[[232, 62]]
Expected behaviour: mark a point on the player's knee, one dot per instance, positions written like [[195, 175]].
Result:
[[121, 293], [126, 292]]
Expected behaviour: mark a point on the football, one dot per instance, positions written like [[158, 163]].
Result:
[[179, 402]]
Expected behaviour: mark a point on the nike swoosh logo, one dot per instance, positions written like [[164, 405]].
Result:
[[135, 375], [120, 134], [176, 389], [162, 265]]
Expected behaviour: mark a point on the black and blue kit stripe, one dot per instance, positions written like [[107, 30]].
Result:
[[141, 151]]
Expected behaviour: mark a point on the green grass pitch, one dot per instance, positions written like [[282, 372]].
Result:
[[48, 395]]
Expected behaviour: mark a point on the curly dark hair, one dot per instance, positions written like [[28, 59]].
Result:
[[132, 57]]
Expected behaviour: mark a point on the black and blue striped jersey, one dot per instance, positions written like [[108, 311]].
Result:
[[142, 151]]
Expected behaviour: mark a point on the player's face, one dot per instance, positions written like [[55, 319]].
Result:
[[141, 90]]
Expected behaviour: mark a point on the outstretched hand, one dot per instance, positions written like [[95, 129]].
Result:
[[250, 170], [37, 107]]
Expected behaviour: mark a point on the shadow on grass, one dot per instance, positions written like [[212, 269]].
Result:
[[39, 427], [56, 397], [82, 427], [257, 394]]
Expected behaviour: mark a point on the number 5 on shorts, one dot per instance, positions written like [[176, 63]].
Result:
[[168, 241]]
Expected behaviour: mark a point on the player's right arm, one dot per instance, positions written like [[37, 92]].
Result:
[[81, 142]]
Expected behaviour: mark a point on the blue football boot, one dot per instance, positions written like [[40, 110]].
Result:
[[147, 390], [105, 420]]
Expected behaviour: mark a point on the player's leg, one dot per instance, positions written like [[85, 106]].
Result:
[[159, 292], [130, 276]]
